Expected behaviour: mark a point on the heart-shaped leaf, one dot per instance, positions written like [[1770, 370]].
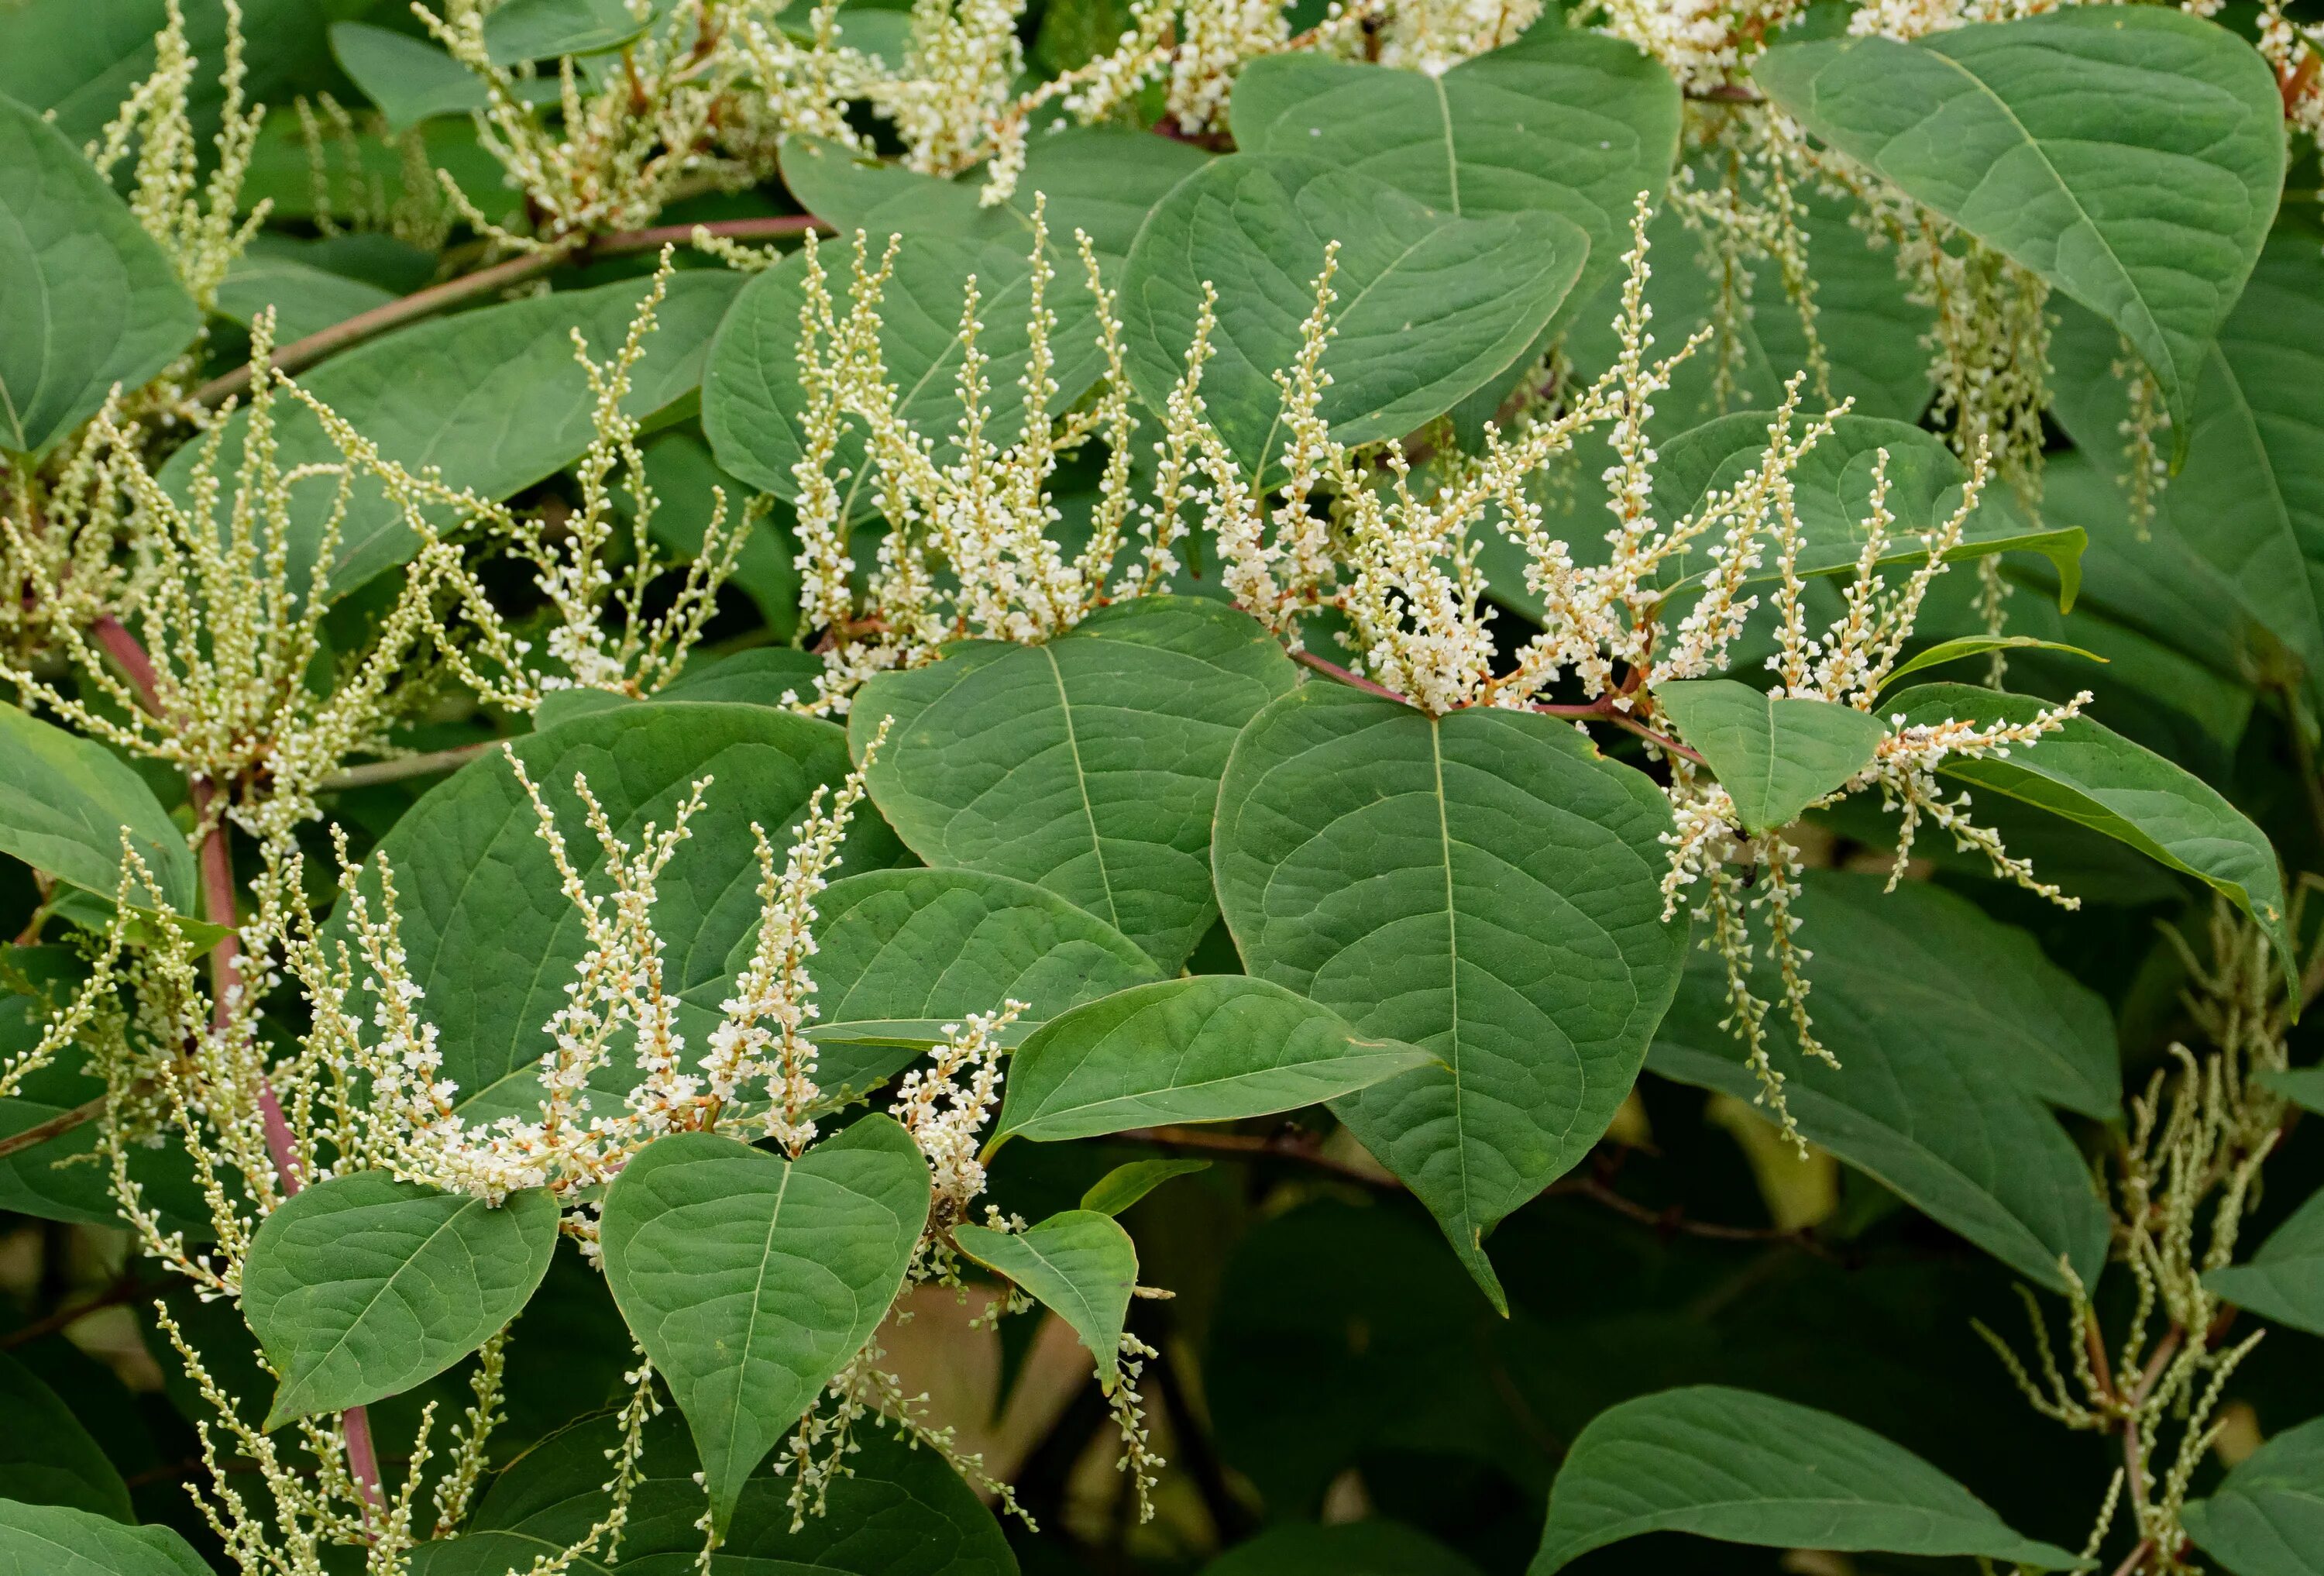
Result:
[[2266, 1517], [1562, 121], [2132, 158], [361, 1286], [55, 1540], [2284, 1280], [930, 946], [1483, 885], [87, 299], [2091, 775], [751, 1280], [1432, 306], [1089, 765], [1207, 1048], [1748, 1468], [1774, 757], [1080, 1265], [1953, 1034]]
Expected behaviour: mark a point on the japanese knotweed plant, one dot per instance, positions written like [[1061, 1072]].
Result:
[[698, 686]]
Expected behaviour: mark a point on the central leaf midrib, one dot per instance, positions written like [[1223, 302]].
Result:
[[1080, 786]]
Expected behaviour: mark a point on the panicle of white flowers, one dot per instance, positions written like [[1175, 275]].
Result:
[[1436, 35], [206, 664], [959, 69], [945, 1103], [199, 223], [1905, 770], [776, 985], [1138, 1461], [2292, 49], [1704, 43]]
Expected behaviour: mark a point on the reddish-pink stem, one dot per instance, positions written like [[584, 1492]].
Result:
[[216, 862], [1344, 677]]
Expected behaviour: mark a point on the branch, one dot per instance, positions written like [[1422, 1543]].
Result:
[[500, 276], [41, 1133], [1311, 660], [1290, 1144], [123, 1291], [402, 767]]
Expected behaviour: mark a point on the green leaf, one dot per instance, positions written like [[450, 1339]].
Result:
[[1833, 491], [360, 1287], [933, 946], [47, 1457], [493, 397], [411, 79], [1483, 885], [1965, 646], [754, 409], [1100, 179], [87, 299], [55, 1540], [1205, 1048], [2247, 508], [1257, 228], [1080, 1265], [1953, 1034], [2303, 1086], [899, 1511], [1774, 757], [760, 676], [1089, 765], [1356, 1548], [1560, 122], [2284, 1280], [751, 1280], [536, 30], [2095, 777], [1124, 1185], [66, 803], [2132, 158], [491, 941], [1748, 1468], [306, 300], [2266, 1518]]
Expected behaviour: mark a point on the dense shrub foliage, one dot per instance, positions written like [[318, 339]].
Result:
[[1417, 788]]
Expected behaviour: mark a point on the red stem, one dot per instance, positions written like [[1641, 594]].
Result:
[[1344, 677], [216, 862]]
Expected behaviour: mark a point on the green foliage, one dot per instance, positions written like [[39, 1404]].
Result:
[[1635, 685], [361, 1286]]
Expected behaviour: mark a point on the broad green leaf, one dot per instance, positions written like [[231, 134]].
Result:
[[1953, 1034], [79, 61], [751, 1280], [1355, 1548], [68, 803], [1080, 1265], [493, 397], [2132, 158], [1089, 765], [754, 409], [360, 1287], [2284, 1280], [2247, 505], [1774, 757], [47, 1457], [1833, 492], [2266, 1518], [1103, 180], [2303, 1086], [1205, 1048], [899, 1511], [2095, 777], [1748, 1468], [1562, 121], [87, 299], [1124, 1185], [1966, 646], [56, 1540], [1483, 885], [491, 940], [305, 299], [1257, 228], [760, 676], [938, 944], [536, 30], [411, 79]]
